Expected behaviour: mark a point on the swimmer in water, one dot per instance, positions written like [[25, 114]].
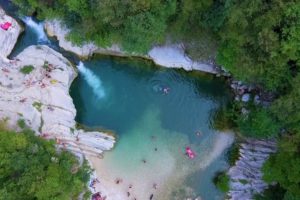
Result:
[[166, 90], [198, 133]]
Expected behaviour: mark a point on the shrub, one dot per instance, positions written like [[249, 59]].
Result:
[[21, 123], [221, 180], [258, 123], [233, 154], [37, 105], [27, 69]]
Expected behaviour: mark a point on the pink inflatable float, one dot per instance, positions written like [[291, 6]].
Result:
[[189, 153]]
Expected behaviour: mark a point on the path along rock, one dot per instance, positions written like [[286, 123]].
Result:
[[172, 56]]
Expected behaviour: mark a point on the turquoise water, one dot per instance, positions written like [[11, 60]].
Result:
[[126, 97]]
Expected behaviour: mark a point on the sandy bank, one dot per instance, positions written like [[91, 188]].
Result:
[[171, 56], [164, 174]]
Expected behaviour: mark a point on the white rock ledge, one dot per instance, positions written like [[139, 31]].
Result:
[[41, 98], [171, 56]]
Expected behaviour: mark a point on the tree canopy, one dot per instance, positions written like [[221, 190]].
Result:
[[284, 167], [32, 168]]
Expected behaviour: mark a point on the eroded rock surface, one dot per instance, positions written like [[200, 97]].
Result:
[[40, 97], [246, 176]]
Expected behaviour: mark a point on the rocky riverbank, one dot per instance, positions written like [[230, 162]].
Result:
[[34, 89], [245, 175], [171, 56]]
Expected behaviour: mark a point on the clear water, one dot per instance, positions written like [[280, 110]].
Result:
[[126, 97], [154, 126]]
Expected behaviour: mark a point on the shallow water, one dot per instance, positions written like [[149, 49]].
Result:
[[127, 98]]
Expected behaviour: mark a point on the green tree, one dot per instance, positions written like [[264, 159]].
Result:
[[284, 166], [287, 107], [258, 123], [31, 168]]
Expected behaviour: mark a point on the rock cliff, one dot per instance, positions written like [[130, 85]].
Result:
[[34, 88], [172, 56], [245, 175]]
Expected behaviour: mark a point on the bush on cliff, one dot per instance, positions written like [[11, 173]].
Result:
[[31, 168], [221, 180]]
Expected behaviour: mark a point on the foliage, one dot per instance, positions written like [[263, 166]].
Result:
[[31, 168], [287, 107], [284, 166], [136, 25], [224, 118], [221, 180], [37, 105], [254, 121], [274, 192], [256, 51], [233, 154], [21, 123], [27, 69], [258, 123]]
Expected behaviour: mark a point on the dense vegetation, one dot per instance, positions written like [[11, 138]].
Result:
[[257, 41], [222, 181], [284, 167], [31, 168]]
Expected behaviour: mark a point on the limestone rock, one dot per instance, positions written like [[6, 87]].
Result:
[[8, 38], [245, 175], [172, 56], [55, 28], [41, 98]]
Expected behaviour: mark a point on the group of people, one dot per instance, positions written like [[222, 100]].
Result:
[[118, 181]]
